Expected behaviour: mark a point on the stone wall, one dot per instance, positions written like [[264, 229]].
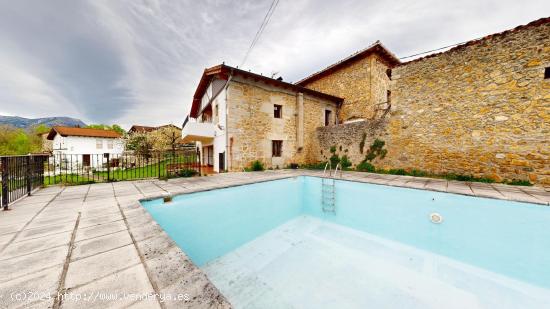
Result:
[[348, 139], [482, 109], [363, 84], [252, 126]]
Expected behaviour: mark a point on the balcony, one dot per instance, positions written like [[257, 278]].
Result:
[[198, 132]]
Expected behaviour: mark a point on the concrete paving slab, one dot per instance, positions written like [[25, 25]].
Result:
[[486, 191], [11, 227], [27, 264], [98, 211], [11, 218], [92, 268], [144, 304], [38, 289], [99, 230], [35, 232], [89, 247], [168, 267], [90, 221], [145, 231], [5, 239], [45, 219], [155, 246], [436, 185], [459, 187], [200, 291], [117, 290], [18, 248]]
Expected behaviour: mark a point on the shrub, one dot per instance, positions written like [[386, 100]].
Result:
[[418, 173], [376, 150], [314, 166], [398, 171], [470, 178], [345, 162], [257, 166], [334, 160], [187, 173], [333, 149], [365, 167], [518, 182]]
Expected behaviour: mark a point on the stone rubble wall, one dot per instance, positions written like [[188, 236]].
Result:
[[481, 110], [252, 126], [347, 139], [363, 84]]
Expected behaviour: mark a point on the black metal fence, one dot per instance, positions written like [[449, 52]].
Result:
[[22, 174]]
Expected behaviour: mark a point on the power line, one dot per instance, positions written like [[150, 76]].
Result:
[[433, 50], [264, 23]]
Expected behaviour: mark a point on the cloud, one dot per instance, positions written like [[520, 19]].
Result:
[[139, 61]]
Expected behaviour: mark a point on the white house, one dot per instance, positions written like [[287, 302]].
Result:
[[84, 147]]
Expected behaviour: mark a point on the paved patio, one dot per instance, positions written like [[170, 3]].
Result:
[[95, 246]]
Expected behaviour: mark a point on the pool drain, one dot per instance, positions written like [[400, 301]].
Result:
[[436, 218]]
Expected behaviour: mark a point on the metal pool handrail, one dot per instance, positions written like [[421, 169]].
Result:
[[329, 168], [336, 170]]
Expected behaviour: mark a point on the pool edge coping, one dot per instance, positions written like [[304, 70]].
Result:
[[213, 296]]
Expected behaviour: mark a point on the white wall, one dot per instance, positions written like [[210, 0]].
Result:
[[219, 122], [75, 146]]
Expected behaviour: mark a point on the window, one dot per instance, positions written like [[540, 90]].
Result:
[[547, 73], [98, 144], [388, 96], [388, 72], [327, 117], [110, 144], [276, 148], [277, 111]]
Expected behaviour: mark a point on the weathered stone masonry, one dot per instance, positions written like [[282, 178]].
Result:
[[481, 109], [252, 126]]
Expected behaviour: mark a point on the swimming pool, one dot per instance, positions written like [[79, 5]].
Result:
[[271, 244]]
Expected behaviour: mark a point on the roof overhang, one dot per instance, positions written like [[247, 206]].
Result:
[[81, 132], [223, 72], [51, 134], [375, 49]]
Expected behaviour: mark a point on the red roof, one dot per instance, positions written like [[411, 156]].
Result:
[[147, 129], [376, 48], [141, 129], [223, 71], [86, 132]]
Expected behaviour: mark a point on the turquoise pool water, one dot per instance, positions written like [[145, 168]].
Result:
[[509, 239]]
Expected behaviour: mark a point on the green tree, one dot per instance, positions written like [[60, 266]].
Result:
[[14, 141], [114, 127]]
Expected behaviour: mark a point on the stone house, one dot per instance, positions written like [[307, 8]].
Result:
[[481, 108], [238, 117]]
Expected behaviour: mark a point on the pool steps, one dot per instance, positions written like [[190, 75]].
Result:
[[328, 192]]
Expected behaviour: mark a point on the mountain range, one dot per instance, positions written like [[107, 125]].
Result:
[[20, 122]]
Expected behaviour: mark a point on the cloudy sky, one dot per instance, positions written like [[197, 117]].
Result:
[[138, 62]]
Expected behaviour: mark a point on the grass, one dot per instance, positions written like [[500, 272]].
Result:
[[68, 179], [147, 171]]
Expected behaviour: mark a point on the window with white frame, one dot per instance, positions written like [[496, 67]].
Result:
[[99, 144], [110, 144]]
